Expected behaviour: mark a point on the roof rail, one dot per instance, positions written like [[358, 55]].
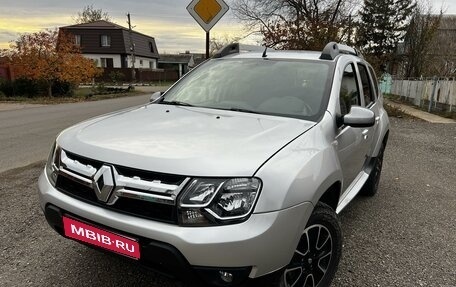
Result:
[[235, 48], [229, 49], [333, 49]]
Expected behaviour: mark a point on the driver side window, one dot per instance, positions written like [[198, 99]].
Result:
[[349, 90]]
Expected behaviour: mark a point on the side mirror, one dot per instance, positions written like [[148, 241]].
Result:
[[359, 117], [155, 96]]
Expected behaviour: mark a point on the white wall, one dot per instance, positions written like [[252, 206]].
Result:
[[117, 60], [145, 62], [97, 57]]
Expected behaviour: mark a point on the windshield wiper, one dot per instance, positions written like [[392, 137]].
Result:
[[176, 103], [243, 110]]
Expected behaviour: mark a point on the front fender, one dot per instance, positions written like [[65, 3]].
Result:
[[300, 172]]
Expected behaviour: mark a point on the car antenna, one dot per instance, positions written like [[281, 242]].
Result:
[[265, 50]]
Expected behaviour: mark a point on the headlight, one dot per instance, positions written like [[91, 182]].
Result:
[[52, 165], [208, 201]]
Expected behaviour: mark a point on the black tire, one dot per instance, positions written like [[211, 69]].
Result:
[[320, 261], [370, 188]]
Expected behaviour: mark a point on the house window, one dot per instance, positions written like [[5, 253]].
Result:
[[77, 40], [140, 62], [151, 47], [151, 65], [105, 41], [107, 62]]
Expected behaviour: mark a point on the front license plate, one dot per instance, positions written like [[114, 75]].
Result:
[[99, 237]]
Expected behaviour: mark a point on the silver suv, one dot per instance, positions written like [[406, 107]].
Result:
[[233, 176]]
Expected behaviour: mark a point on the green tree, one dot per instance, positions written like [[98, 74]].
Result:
[[90, 14], [382, 26]]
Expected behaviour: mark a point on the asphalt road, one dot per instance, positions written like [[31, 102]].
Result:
[[404, 236], [26, 135]]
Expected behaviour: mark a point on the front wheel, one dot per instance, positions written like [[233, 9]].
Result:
[[317, 255]]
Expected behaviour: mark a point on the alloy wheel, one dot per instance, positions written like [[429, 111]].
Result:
[[311, 259]]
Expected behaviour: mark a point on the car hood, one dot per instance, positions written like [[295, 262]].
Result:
[[183, 140]]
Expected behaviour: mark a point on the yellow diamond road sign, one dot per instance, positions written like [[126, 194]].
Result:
[[207, 12]]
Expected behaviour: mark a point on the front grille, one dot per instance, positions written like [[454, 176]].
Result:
[[148, 175], [156, 211], [133, 206], [96, 164], [75, 189]]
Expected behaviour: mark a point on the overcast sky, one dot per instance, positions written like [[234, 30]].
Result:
[[166, 20]]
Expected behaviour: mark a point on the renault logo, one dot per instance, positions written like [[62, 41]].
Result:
[[103, 183]]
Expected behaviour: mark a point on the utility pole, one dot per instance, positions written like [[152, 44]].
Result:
[[207, 44], [132, 50]]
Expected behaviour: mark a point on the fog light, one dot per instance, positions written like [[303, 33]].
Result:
[[191, 217], [226, 276]]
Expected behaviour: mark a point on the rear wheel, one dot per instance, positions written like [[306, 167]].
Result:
[[317, 255], [371, 186]]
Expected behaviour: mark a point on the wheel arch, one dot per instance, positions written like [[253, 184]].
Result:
[[383, 133], [385, 137], [332, 195]]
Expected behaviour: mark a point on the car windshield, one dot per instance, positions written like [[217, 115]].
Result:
[[276, 87]]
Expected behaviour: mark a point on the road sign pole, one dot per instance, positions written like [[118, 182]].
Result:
[[207, 13], [207, 44]]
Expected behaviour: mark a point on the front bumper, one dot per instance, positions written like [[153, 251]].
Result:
[[261, 245]]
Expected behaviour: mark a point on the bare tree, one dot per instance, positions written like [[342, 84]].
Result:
[[442, 53], [217, 43], [296, 24], [419, 39], [90, 14]]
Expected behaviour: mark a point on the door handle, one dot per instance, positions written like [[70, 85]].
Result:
[[365, 134]]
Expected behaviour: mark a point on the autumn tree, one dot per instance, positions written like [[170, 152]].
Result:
[[382, 26], [419, 39], [90, 14], [49, 56], [296, 24]]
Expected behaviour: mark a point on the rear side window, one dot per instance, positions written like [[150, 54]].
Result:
[[374, 78], [349, 91], [367, 86]]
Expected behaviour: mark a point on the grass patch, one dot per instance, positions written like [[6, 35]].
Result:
[[441, 110], [392, 97], [394, 111], [83, 92]]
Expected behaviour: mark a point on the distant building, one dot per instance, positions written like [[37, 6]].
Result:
[[109, 45], [182, 63]]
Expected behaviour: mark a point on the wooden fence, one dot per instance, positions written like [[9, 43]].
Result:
[[421, 91]]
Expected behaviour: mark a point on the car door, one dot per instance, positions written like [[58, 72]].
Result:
[[369, 101], [351, 142]]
